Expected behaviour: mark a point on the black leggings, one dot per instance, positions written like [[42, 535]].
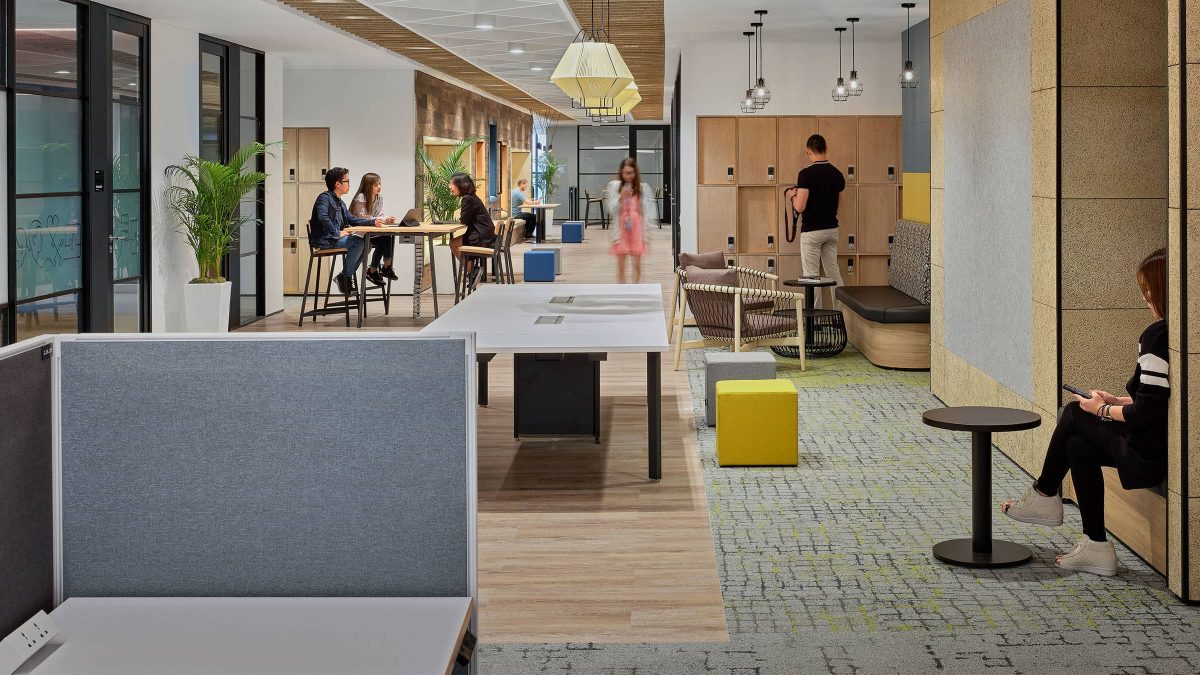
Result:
[[1082, 443], [383, 248]]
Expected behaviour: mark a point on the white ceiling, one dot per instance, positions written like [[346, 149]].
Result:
[[690, 21], [543, 27]]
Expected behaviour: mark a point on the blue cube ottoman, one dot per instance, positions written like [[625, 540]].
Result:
[[539, 265], [572, 232], [557, 254]]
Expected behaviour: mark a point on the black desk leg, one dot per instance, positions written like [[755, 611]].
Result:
[[654, 412], [362, 286], [483, 380]]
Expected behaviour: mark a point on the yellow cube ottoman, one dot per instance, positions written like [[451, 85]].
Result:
[[756, 423]]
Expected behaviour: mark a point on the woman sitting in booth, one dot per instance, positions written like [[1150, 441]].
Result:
[[368, 203], [481, 231], [1126, 432]]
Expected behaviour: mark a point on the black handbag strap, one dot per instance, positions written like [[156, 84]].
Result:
[[791, 219]]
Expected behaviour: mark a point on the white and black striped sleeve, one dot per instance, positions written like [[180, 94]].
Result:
[[1151, 386]]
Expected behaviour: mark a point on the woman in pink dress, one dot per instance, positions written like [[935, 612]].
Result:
[[632, 202]]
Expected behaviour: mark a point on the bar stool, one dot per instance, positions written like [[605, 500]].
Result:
[[588, 200], [318, 256], [468, 281]]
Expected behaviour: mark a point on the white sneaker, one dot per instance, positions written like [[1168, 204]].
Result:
[[1036, 508], [1097, 557]]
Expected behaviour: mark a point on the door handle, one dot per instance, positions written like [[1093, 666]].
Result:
[[112, 238]]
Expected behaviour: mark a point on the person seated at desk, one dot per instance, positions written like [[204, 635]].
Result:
[[1126, 432], [368, 203], [520, 199], [481, 231], [330, 218]]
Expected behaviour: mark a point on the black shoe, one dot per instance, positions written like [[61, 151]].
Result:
[[389, 273], [345, 284], [376, 278]]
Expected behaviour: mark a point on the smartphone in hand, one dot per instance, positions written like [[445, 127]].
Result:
[[1076, 390]]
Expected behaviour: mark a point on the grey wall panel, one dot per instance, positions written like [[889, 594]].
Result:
[[320, 467], [26, 488], [988, 212], [916, 100]]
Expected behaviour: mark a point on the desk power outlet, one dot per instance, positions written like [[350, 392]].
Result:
[[25, 641]]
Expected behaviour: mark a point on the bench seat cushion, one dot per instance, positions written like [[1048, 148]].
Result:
[[883, 304]]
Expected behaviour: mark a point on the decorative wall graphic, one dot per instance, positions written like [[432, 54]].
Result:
[[126, 228], [49, 247]]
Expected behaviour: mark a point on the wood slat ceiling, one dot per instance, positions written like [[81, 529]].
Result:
[[636, 28], [381, 30]]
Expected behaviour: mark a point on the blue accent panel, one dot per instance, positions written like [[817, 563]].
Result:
[[916, 148], [988, 199], [253, 468]]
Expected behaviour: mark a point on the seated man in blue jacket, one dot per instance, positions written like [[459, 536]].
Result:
[[330, 217]]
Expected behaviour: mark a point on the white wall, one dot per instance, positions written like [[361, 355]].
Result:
[[174, 133], [273, 208], [801, 78], [371, 117]]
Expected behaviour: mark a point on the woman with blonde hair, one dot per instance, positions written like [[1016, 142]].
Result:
[[631, 204]]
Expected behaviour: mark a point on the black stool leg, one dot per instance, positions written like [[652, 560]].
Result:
[[304, 298]]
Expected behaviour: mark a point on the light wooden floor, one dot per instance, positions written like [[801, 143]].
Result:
[[575, 543]]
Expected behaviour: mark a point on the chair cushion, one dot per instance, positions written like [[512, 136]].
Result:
[[717, 276], [883, 304], [909, 271], [709, 261]]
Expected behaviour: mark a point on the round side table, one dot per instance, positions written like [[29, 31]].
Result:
[[824, 329], [981, 550]]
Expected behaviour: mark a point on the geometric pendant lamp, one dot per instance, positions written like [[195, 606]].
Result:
[[592, 72]]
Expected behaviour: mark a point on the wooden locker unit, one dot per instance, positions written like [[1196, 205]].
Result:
[[291, 265], [291, 143], [792, 133], [312, 154], [716, 150], [841, 137], [757, 218], [762, 263], [292, 227], [878, 210], [756, 151], [790, 267], [716, 218], [879, 140], [873, 270]]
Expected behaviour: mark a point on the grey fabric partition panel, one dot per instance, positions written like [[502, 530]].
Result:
[[313, 467], [26, 487], [988, 215], [916, 100]]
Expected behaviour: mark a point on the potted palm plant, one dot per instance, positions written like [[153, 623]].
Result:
[[440, 204], [548, 181], [205, 197]]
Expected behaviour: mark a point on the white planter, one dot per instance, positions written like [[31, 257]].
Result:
[[207, 307], [445, 269]]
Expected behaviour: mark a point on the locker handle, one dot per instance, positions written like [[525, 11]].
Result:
[[891, 241], [770, 174], [850, 242], [293, 248], [770, 266], [891, 172], [770, 241], [731, 244], [729, 174], [323, 172], [292, 174], [850, 172]]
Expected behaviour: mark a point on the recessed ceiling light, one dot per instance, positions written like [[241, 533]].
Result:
[[534, 66], [62, 72], [484, 22], [357, 17], [132, 84], [516, 48]]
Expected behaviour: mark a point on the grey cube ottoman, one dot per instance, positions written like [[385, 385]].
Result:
[[730, 366], [558, 255]]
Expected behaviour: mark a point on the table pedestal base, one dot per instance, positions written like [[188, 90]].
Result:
[[962, 552]]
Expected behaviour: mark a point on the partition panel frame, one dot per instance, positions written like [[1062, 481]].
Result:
[[471, 425]]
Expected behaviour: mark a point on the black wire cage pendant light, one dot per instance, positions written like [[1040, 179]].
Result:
[[747, 104], [908, 76], [855, 85], [762, 94], [840, 91]]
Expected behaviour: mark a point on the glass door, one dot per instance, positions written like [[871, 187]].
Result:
[[128, 136], [650, 149]]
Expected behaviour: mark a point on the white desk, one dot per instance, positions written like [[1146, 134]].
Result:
[[545, 218], [602, 318], [253, 636]]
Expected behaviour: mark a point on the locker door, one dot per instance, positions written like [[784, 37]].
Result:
[[758, 230], [291, 266], [879, 140], [790, 267], [291, 142], [756, 151], [878, 210], [793, 133], [716, 150], [848, 220], [313, 154], [762, 263], [873, 269], [716, 218], [292, 227], [841, 135]]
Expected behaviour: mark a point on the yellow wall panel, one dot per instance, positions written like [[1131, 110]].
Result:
[[915, 201]]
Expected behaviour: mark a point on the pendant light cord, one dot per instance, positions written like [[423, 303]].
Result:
[[839, 53], [853, 66], [908, 10], [758, 39]]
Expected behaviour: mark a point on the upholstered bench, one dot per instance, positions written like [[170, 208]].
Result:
[[890, 324], [756, 423], [720, 366]]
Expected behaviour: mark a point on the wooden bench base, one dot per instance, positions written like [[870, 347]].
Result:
[[889, 345]]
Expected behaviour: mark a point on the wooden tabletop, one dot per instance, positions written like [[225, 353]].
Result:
[[809, 281], [540, 206], [979, 418], [448, 228]]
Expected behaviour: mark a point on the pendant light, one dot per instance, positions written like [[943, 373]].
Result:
[[762, 94], [623, 104], [747, 104], [840, 92], [592, 72], [908, 77], [855, 85]]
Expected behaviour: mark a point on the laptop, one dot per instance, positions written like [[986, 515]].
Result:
[[410, 219]]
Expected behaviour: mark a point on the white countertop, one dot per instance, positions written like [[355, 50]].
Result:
[[602, 318], [253, 636]]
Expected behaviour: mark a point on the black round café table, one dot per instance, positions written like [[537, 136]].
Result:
[[981, 550]]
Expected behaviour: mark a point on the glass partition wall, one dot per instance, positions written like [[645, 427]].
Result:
[[601, 149], [76, 219]]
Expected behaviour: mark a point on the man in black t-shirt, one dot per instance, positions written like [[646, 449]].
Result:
[[815, 197]]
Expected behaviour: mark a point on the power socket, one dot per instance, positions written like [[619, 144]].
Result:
[[25, 641]]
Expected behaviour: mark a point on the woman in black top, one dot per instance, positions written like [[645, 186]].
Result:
[[1126, 432], [481, 231]]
